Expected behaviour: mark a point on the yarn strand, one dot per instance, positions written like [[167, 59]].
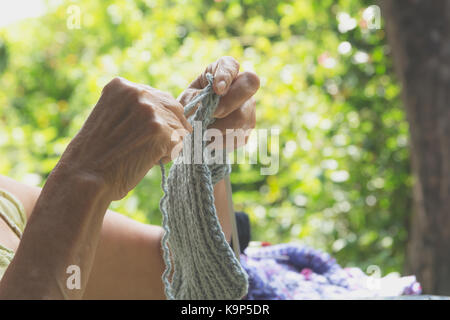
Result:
[[195, 249], [165, 238]]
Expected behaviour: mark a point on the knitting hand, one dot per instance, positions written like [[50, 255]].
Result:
[[129, 130], [236, 109]]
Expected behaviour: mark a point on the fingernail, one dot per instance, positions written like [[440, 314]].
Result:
[[221, 86]]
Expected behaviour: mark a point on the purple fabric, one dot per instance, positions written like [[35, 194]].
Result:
[[293, 271]]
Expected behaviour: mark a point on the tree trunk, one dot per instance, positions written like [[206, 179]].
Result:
[[419, 35]]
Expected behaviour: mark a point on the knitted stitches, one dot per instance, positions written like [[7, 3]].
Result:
[[204, 265]]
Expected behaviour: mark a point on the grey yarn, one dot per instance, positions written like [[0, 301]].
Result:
[[204, 265]]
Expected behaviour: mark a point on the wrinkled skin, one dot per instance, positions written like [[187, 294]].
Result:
[[132, 125]]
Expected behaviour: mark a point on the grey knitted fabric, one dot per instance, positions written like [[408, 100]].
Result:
[[204, 265]]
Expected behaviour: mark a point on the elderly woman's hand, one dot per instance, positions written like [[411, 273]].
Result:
[[133, 126], [129, 131], [236, 109]]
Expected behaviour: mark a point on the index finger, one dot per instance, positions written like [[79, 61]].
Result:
[[224, 70]]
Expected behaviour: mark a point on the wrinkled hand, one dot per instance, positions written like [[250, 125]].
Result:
[[133, 126], [129, 130], [236, 109]]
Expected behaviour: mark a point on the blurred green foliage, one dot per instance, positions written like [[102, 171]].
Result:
[[326, 83]]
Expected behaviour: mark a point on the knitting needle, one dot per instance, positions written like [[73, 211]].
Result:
[[234, 233]]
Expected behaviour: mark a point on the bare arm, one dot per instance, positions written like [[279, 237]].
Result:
[[128, 261], [62, 231], [119, 258], [128, 131]]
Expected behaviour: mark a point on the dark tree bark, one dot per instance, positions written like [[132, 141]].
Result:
[[419, 35]]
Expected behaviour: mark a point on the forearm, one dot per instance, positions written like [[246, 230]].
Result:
[[222, 208], [62, 231], [128, 261]]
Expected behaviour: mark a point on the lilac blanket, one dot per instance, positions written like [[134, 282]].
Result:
[[293, 271]]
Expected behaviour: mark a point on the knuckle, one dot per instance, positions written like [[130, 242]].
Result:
[[117, 79], [163, 97], [154, 125], [136, 95], [166, 95], [147, 87], [147, 110], [231, 61], [252, 80], [113, 84], [228, 59]]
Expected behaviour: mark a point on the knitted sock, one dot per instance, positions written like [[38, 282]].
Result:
[[204, 265]]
